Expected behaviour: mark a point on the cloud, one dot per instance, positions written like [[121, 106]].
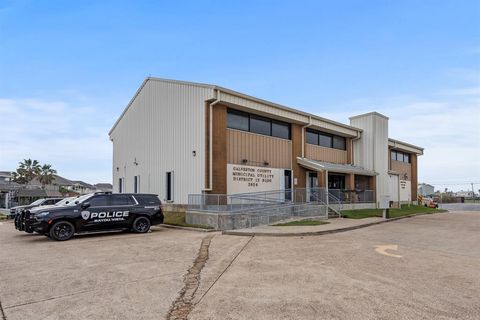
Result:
[[74, 139]]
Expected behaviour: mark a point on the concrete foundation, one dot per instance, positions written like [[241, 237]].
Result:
[[232, 220]]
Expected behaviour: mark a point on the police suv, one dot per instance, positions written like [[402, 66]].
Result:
[[96, 212]]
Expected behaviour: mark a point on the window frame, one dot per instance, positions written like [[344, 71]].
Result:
[[136, 184], [330, 136], [169, 186], [250, 116]]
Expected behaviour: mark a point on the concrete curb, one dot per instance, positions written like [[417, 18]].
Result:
[[170, 226], [321, 232]]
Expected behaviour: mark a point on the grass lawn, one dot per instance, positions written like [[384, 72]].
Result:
[[301, 223], [178, 219], [394, 213]]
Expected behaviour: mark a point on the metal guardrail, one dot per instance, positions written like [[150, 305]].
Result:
[[353, 196], [243, 202]]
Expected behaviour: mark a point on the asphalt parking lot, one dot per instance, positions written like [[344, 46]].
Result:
[[426, 267]]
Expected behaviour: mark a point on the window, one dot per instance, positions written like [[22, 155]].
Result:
[[260, 125], [393, 155], [339, 143], [325, 139], [281, 129], [136, 184], [122, 200], [169, 189], [312, 137], [237, 120], [256, 124], [400, 156], [336, 181], [99, 201], [120, 185]]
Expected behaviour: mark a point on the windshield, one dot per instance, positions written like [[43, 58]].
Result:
[[36, 202], [63, 202], [80, 199]]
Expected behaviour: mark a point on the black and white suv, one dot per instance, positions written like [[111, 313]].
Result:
[[96, 212]]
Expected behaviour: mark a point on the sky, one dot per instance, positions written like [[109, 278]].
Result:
[[69, 68]]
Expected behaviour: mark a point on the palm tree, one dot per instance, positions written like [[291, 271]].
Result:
[[46, 174], [26, 171]]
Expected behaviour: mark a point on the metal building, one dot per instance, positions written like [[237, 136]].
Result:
[[178, 138]]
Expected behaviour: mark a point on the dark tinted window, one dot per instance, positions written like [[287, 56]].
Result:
[[325, 140], [312, 137], [406, 157], [122, 200], [281, 129], [260, 125], [98, 201], [147, 199], [339, 142], [253, 123], [399, 156], [237, 120]]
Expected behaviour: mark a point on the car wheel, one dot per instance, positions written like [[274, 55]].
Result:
[[141, 225], [62, 230]]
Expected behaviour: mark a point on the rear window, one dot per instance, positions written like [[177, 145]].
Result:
[[147, 199], [122, 200]]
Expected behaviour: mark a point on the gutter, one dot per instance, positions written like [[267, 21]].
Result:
[[210, 140]]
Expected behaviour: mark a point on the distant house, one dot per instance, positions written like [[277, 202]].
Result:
[[425, 189], [7, 189], [465, 194], [105, 187], [82, 187]]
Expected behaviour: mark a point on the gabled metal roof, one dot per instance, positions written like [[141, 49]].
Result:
[[334, 167], [234, 93]]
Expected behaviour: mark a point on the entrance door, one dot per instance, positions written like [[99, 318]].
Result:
[[312, 183], [288, 184]]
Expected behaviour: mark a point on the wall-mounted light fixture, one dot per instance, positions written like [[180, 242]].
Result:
[[266, 163], [117, 169], [135, 162], [244, 161], [194, 153]]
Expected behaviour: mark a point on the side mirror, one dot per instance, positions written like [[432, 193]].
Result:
[[85, 205]]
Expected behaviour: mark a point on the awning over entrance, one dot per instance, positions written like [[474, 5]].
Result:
[[334, 167]]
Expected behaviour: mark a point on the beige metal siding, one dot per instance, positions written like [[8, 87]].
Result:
[[257, 149], [325, 154], [163, 126], [402, 168]]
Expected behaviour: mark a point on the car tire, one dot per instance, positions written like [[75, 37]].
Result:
[[62, 231], [141, 225]]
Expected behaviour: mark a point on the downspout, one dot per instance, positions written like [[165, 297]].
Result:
[[355, 139], [210, 140], [303, 135]]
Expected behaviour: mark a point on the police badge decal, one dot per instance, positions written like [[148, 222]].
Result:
[[85, 215]]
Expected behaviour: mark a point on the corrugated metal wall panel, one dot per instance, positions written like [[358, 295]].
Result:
[[258, 148], [325, 154], [161, 129]]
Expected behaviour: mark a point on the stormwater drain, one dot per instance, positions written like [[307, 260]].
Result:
[[182, 306]]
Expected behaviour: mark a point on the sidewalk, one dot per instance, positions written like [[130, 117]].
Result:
[[335, 225]]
